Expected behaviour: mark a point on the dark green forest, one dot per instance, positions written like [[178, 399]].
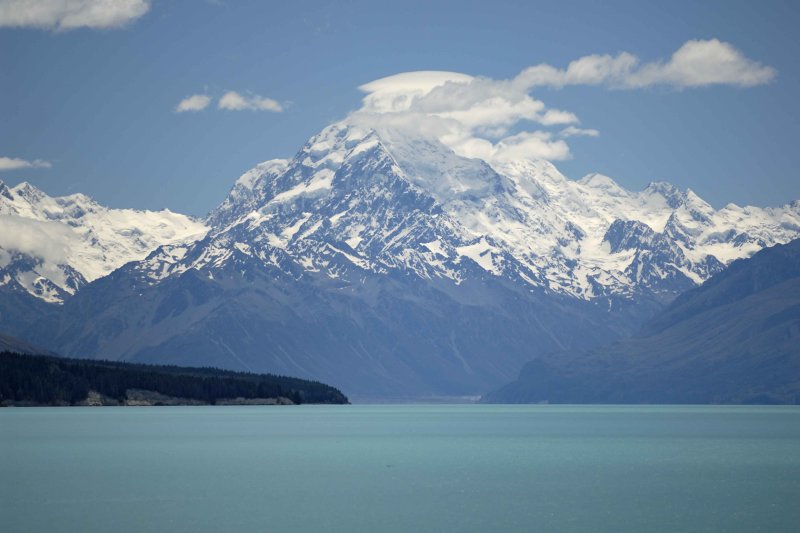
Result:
[[50, 380]]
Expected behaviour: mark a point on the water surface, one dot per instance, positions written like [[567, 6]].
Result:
[[400, 468]]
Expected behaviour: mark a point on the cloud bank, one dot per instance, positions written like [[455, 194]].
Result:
[[14, 163], [63, 15], [500, 120]]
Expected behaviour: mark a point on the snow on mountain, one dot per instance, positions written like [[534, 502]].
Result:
[[378, 200], [50, 247], [358, 198], [341, 203]]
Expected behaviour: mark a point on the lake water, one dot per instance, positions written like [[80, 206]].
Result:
[[400, 468]]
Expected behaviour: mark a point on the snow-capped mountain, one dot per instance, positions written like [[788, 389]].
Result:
[[388, 264], [51, 247], [331, 207], [354, 198]]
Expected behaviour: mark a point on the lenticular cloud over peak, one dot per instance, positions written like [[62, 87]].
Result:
[[472, 115], [397, 93]]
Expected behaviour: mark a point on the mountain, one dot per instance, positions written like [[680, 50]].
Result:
[[735, 339], [391, 266], [51, 247]]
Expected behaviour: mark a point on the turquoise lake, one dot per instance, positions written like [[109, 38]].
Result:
[[401, 468]]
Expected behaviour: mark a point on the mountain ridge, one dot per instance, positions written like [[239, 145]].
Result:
[[557, 231]]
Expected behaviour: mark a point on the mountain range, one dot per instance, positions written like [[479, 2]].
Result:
[[51, 247], [735, 339], [384, 264]]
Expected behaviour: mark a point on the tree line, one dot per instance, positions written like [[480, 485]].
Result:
[[59, 381]]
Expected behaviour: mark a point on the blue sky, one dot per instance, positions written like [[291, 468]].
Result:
[[96, 106]]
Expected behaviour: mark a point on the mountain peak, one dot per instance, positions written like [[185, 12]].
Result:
[[669, 192], [30, 192], [77, 198], [600, 181], [248, 179]]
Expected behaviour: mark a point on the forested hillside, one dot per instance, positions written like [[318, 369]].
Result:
[[45, 380]]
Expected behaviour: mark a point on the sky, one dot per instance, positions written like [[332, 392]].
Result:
[[164, 103]]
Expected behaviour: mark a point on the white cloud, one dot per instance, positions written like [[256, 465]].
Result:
[[531, 144], [572, 131], [588, 70], [697, 63], [70, 14], [13, 163], [47, 240], [195, 102], [472, 115], [524, 145], [497, 119], [480, 104], [554, 117], [396, 93], [234, 101]]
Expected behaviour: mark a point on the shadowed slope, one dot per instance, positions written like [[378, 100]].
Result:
[[735, 339]]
